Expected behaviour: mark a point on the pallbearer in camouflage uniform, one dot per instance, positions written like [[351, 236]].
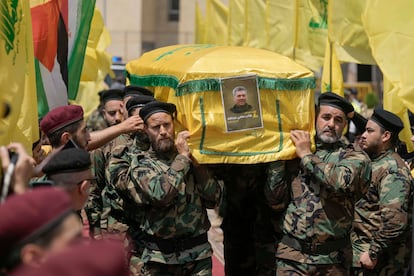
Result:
[[102, 207], [172, 194], [381, 238], [112, 112], [105, 208], [320, 198]]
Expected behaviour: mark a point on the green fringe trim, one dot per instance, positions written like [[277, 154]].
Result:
[[198, 86], [287, 84], [195, 86], [153, 80], [213, 84]]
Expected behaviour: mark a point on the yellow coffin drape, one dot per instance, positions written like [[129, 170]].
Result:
[[190, 76]]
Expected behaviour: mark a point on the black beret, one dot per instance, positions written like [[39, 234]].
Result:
[[411, 118], [156, 107], [132, 90], [67, 161], [138, 101], [387, 120], [332, 99], [112, 94], [360, 122], [61, 117]]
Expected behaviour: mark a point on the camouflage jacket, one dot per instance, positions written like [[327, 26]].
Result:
[[316, 204], [383, 215], [104, 208], [96, 121], [172, 197]]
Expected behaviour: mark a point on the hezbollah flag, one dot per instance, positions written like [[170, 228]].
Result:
[[347, 33], [17, 75], [58, 56], [332, 79], [390, 31]]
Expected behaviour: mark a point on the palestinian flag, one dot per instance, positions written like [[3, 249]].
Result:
[[60, 34]]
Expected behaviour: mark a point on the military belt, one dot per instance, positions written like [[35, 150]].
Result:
[[315, 248], [168, 246]]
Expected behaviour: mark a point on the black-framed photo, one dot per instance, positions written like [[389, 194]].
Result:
[[241, 103]]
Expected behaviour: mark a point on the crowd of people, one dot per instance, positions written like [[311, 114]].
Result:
[[127, 175]]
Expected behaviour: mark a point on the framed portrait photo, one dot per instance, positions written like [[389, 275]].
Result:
[[241, 103]]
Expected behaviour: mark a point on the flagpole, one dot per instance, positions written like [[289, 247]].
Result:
[[330, 63]]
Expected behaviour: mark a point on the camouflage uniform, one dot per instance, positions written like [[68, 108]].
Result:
[[317, 220], [105, 207], [172, 196], [247, 228], [383, 217], [99, 205], [96, 121]]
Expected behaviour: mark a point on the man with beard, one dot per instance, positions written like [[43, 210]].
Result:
[[101, 214], [65, 123], [172, 195], [105, 208], [381, 238], [315, 199]]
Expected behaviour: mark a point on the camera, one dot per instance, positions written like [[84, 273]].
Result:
[[13, 157]]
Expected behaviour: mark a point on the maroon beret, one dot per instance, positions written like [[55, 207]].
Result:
[[23, 215], [60, 117], [102, 257]]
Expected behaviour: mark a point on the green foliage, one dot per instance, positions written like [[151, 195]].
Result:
[[371, 99]]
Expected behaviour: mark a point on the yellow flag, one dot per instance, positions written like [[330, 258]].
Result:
[[216, 20], [200, 26], [97, 65], [390, 29], [347, 33], [298, 29], [255, 24], [17, 77], [281, 24], [311, 32], [236, 23], [332, 79], [315, 24]]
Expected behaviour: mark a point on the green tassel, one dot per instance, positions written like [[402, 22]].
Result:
[[287, 84], [213, 84], [198, 86], [154, 80]]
